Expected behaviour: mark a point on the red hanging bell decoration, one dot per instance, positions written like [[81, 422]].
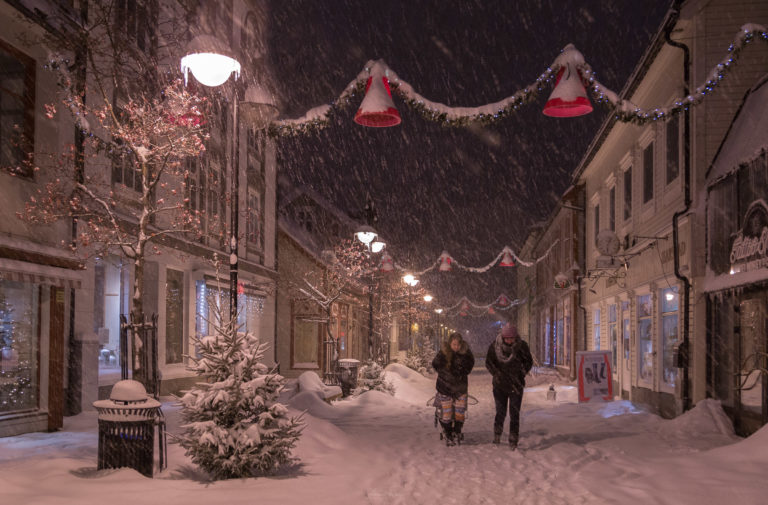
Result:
[[445, 261], [569, 98], [387, 264], [502, 301], [377, 108], [491, 311], [507, 258]]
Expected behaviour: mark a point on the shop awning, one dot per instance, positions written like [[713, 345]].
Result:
[[746, 136]]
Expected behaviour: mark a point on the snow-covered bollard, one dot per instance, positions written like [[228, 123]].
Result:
[[127, 429], [551, 393]]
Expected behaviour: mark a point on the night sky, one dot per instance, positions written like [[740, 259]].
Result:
[[466, 190]]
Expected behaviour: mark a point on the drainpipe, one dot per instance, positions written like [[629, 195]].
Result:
[[684, 348]]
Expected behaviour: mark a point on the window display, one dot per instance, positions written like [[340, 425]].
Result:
[[19, 346]]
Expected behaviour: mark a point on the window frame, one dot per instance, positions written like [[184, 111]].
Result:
[[27, 99]]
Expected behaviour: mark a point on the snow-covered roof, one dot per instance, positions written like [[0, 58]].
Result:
[[746, 136]]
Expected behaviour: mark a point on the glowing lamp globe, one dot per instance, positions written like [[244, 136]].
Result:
[[210, 61], [365, 234], [427, 298], [377, 246]]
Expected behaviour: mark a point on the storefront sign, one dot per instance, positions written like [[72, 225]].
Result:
[[595, 377], [750, 247]]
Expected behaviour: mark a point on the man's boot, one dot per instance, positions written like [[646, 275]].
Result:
[[513, 441], [496, 435]]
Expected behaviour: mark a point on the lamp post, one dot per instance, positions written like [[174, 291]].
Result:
[[373, 244], [411, 282], [438, 328], [211, 63]]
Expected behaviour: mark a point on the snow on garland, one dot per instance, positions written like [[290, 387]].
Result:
[[233, 424], [502, 302], [625, 111], [506, 258]]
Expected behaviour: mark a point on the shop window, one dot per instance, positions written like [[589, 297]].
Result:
[[625, 329], [648, 173], [174, 316], [343, 328], [559, 337], [613, 334], [669, 334], [567, 333], [17, 114], [19, 346], [596, 329], [212, 308], [752, 357], [111, 299], [645, 338], [548, 359]]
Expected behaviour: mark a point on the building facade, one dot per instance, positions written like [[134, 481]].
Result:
[[317, 327], [61, 343], [645, 220]]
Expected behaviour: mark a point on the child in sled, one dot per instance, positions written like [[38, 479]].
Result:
[[453, 363]]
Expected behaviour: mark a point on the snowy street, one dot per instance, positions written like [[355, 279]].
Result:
[[378, 449]]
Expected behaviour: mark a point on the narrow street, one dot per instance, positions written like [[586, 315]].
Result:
[[378, 449]]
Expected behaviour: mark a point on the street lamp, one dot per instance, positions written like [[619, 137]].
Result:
[[366, 235], [211, 63], [411, 281]]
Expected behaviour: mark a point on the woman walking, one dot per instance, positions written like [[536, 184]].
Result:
[[453, 364]]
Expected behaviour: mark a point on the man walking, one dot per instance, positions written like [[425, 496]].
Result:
[[509, 360]]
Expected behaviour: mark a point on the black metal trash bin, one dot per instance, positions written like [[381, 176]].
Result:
[[348, 375], [127, 424]]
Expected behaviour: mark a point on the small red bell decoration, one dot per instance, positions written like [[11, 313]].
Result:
[[445, 261], [491, 311], [387, 264], [569, 98], [502, 301], [377, 108], [507, 258]]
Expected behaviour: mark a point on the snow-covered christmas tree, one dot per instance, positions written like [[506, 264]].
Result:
[[233, 424], [420, 357], [371, 377]]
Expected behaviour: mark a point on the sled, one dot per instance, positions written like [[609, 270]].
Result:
[[471, 400]]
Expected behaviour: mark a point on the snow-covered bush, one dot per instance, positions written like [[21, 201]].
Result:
[[420, 358], [233, 424], [371, 377]]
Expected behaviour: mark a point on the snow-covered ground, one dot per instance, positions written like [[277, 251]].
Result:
[[380, 450]]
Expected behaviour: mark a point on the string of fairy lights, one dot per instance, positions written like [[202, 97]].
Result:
[[624, 110]]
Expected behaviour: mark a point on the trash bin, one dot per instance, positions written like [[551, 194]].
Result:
[[127, 424], [348, 375]]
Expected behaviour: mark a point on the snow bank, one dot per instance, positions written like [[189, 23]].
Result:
[[707, 417], [309, 381], [410, 386], [311, 402]]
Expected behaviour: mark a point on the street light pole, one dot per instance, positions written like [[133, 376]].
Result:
[[234, 211]]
